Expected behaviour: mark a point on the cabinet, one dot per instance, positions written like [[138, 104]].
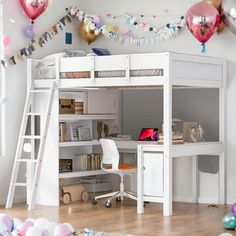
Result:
[[98, 106], [153, 170]]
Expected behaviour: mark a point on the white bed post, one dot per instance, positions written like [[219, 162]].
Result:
[[222, 136], [195, 179], [167, 106], [140, 181]]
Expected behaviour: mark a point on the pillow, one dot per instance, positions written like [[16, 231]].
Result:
[[49, 60], [74, 53], [101, 51]]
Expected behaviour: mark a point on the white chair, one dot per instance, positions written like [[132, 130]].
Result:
[[110, 164]]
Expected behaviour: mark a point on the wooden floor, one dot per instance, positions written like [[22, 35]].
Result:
[[188, 219]]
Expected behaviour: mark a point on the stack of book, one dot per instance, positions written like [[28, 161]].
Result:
[[86, 162], [177, 138]]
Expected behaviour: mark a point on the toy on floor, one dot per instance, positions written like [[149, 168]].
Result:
[[73, 192]]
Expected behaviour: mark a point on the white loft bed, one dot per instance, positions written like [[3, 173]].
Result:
[[173, 70]]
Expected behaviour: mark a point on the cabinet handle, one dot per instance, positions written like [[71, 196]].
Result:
[[144, 168]]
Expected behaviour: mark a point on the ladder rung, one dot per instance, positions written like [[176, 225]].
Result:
[[33, 114], [20, 184], [31, 137], [39, 90], [27, 160]]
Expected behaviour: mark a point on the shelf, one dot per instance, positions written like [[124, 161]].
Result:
[[81, 174], [79, 143], [74, 117]]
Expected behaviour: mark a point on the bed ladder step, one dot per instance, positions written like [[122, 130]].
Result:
[[34, 162]]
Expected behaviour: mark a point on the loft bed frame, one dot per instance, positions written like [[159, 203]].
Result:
[[176, 70]]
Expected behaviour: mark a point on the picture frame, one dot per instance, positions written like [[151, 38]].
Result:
[[84, 134], [187, 126], [74, 135]]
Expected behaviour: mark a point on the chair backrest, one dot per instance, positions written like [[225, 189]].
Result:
[[110, 154]]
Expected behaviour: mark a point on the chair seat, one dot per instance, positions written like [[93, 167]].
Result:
[[123, 167]]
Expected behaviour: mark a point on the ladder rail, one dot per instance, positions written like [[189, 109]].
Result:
[[41, 149], [18, 154], [33, 162]]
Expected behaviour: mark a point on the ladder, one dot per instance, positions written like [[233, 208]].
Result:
[[34, 161]]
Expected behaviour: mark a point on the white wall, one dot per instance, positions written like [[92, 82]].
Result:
[[16, 75], [222, 45]]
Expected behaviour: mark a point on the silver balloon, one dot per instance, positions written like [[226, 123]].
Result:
[[229, 11]]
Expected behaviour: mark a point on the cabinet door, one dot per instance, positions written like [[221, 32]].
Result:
[[153, 174], [102, 102]]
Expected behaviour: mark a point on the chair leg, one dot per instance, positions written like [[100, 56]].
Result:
[[128, 195], [122, 188], [106, 195], [114, 196]]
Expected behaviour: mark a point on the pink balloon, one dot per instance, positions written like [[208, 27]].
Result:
[[34, 8], [62, 230], [202, 20], [6, 40]]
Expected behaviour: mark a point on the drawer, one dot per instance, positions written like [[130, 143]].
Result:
[[153, 174]]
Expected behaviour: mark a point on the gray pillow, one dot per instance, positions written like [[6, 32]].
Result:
[[74, 53]]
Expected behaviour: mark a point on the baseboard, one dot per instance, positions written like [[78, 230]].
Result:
[[189, 199], [182, 199], [17, 199]]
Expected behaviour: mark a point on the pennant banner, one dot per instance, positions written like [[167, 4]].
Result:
[[95, 23]]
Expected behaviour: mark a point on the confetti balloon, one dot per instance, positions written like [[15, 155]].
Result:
[[229, 221], [7, 221], [34, 8]]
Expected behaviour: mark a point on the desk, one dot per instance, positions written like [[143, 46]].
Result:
[[182, 150]]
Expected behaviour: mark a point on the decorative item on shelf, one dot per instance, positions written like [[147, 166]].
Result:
[[187, 126], [200, 134], [65, 165], [113, 131], [74, 135], [62, 132], [73, 192], [99, 129], [79, 107], [105, 130], [202, 20], [84, 134], [194, 135], [177, 138], [66, 106]]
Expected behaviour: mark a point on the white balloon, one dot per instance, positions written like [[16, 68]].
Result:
[[51, 227], [16, 222], [41, 223], [33, 231]]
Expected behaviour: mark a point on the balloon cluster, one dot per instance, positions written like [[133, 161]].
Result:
[[33, 227], [205, 17], [229, 220]]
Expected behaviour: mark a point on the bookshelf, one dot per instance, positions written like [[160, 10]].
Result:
[[98, 106]]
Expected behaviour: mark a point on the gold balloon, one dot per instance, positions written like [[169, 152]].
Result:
[[217, 5], [88, 35]]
